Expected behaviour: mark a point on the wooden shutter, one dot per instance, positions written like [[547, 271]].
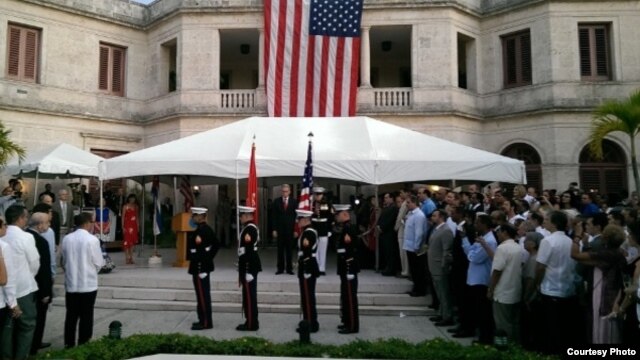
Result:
[[13, 66], [525, 58], [30, 55], [511, 73], [585, 52], [602, 66], [103, 82], [22, 53], [117, 71]]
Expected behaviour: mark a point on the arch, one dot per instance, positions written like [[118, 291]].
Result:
[[532, 161], [607, 176]]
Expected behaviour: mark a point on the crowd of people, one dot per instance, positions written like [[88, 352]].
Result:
[[545, 271]]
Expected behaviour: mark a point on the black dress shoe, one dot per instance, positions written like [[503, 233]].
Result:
[[279, 272], [290, 272], [44, 345], [322, 273], [436, 318], [199, 326], [463, 334], [244, 327], [445, 323], [347, 331], [341, 326]]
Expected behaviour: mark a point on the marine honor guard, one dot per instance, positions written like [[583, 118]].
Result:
[[202, 246], [248, 268], [308, 270], [321, 220], [348, 269]]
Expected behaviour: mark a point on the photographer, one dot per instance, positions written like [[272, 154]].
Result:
[[11, 195]]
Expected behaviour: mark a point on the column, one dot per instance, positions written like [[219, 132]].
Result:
[[261, 58], [215, 39], [365, 59]]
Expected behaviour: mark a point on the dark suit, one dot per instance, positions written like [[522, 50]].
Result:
[[44, 279], [389, 256], [440, 258], [201, 262], [284, 219], [68, 221]]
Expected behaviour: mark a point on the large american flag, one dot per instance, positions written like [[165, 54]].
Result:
[[187, 192], [305, 200], [312, 53]]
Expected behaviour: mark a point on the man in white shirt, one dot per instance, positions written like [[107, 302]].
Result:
[[555, 276], [8, 303], [81, 260], [16, 339], [505, 287]]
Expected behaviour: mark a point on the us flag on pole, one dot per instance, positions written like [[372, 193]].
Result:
[[157, 210], [312, 53], [307, 183], [252, 184]]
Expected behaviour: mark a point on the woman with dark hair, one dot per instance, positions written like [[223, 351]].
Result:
[[608, 263], [569, 204], [130, 226], [631, 313]]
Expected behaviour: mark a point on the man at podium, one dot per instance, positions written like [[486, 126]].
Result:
[[202, 246]]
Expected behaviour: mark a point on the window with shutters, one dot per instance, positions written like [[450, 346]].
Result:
[[112, 69], [516, 59], [532, 162], [607, 175], [593, 40], [23, 53]]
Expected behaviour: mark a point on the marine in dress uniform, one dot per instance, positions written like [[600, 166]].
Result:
[[202, 247], [348, 269], [248, 268], [321, 220], [308, 270]]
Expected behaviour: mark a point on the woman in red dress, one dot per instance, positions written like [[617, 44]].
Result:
[[130, 226]]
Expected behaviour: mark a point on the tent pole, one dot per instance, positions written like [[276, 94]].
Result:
[[375, 234], [35, 187], [175, 195], [144, 205], [237, 206]]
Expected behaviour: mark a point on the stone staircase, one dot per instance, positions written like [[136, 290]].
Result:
[[171, 289]]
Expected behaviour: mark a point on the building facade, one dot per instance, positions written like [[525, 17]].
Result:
[[516, 77]]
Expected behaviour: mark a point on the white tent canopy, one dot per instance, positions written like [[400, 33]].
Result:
[[60, 159], [357, 149]]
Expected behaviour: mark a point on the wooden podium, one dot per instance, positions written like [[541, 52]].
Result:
[[181, 225]]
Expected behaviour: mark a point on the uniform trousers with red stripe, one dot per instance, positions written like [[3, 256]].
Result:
[[203, 296], [349, 302], [250, 302], [308, 299]]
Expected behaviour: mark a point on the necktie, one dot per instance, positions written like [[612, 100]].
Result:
[[286, 202]]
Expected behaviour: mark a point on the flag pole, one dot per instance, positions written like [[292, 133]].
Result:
[[144, 203]]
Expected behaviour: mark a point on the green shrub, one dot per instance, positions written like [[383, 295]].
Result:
[[149, 344]]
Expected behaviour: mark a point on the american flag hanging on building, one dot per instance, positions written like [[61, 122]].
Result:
[[305, 200], [311, 58], [187, 192]]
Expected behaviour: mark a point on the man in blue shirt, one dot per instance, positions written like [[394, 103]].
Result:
[[415, 230], [426, 204], [588, 206]]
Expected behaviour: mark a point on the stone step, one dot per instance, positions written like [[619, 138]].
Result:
[[127, 304], [234, 296], [287, 284]]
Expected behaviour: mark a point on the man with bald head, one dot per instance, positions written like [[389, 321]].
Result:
[[65, 210], [39, 225], [46, 199]]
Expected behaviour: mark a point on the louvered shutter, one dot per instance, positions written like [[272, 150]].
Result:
[[590, 179], [602, 66], [103, 81], [117, 71], [510, 57], [585, 52], [13, 66], [31, 55], [525, 58]]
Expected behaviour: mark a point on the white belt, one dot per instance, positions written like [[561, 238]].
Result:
[[319, 220], [341, 251]]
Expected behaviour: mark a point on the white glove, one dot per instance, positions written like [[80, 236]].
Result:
[[202, 275], [350, 276], [306, 275], [248, 277]]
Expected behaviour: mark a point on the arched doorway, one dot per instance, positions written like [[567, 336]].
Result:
[[531, 158], [606, 176]]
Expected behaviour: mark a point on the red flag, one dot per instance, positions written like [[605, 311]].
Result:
[[252, 184], [312, 53]]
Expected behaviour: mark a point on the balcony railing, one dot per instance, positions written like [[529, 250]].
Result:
[[392, 98], [238, 99]]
